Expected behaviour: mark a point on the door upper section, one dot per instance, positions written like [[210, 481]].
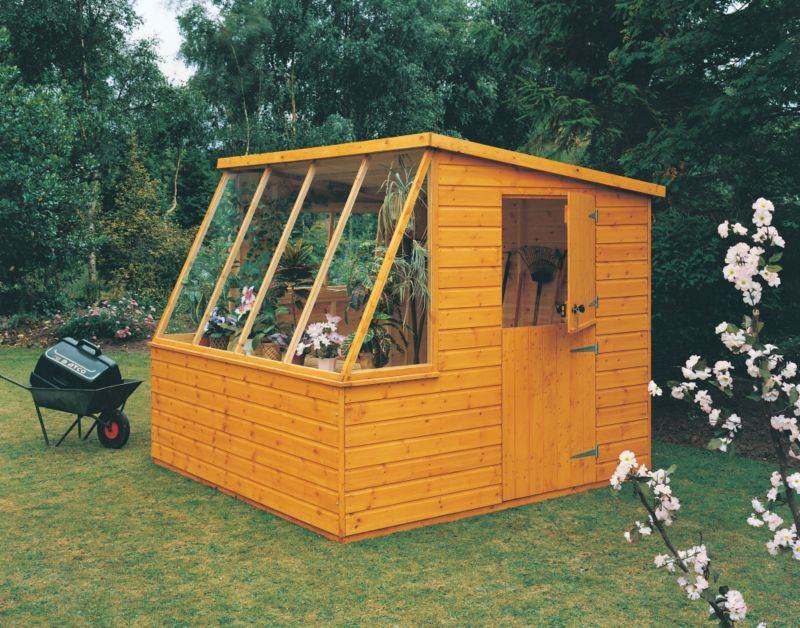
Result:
[[581, 286]]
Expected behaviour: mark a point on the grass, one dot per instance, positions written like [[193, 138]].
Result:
[[100, 537]]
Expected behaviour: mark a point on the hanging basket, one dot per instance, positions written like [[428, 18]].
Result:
[[269, 350], [219, 343]]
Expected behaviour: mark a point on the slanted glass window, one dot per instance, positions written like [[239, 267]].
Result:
[[288, 266], [195, 287]]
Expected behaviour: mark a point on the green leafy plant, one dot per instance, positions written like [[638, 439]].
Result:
[[383, 334], [295, 269]]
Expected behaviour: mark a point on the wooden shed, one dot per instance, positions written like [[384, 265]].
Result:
[[496, 314]]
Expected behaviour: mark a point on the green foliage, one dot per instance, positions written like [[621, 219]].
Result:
[[700, 96], [115, 319], [41, 195], [142, 250]]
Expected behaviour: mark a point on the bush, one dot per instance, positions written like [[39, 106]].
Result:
[[120, 320]]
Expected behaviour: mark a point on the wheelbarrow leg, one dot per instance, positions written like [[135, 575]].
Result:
[[41, 424], [71, 427], [91, 429]]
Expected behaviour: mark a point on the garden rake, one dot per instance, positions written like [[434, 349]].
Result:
[[542, 263]]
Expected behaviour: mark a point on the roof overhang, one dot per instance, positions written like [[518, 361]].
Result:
[[442, 142]]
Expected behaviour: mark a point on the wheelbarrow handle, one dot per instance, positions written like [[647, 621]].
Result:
[[16, 383]]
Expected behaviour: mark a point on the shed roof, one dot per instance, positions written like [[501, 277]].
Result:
[[434, 140]]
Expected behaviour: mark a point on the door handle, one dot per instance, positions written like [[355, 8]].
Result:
[[578, 309]]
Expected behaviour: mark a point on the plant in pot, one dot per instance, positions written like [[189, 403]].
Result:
[[219, 329], [408, 281], [324, 342], [265, 330], [383, 334], [296, 269]]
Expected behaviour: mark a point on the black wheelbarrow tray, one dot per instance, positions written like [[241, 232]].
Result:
[[104, 406]]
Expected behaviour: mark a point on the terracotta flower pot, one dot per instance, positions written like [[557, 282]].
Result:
[[299, 359], [204, 341]]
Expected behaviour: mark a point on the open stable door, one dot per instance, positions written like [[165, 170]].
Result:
[[548, 351], [581, 303]]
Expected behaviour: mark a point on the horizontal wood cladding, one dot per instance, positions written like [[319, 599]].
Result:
[[481, 277], [469, 338], [414, 427], [621, 414], [418, 468], [421, 405], [377, 518], [470, 317], [380, 496], [268, 438], [470, 256], [464, 379], [244, 373], [470, 236], [623, 329], [455, 298], [625, 252], [472, 217], [200, 467], [175, 433], [605, 469]]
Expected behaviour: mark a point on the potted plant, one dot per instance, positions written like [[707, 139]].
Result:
[[280, 341], [324, 342], [265, 330], [219, 329], [383, 334], [296, 269]]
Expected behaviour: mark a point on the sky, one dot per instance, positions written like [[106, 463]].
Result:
[[160, 23]]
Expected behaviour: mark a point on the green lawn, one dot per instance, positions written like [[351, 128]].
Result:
[[101, 537]]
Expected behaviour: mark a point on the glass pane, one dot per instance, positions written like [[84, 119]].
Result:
[[398, 332], [534, 262], [300, 263], [250, 265], [202, 276]]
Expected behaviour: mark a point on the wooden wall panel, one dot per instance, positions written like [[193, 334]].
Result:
[[623, 328], [271, 439], [432, 447]]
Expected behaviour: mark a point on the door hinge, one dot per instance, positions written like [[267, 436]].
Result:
[[595, 348], [595, 215], [596, 303], [586, 454]]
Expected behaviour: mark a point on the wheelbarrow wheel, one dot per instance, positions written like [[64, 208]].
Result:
[[113, 429]]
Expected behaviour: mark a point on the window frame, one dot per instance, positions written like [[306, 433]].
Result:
[[424, 175]]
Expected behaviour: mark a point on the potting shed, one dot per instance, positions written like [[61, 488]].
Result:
[[386, 334]]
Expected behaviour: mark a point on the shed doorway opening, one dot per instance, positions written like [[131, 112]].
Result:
[[549, 344], [534, 261]]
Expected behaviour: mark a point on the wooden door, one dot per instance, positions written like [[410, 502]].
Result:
[[549, 379], [581, 286], [548, 409]]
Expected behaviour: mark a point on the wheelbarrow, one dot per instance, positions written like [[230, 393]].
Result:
[[74, 376]]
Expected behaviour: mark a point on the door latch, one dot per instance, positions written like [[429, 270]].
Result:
[[578, 309]]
